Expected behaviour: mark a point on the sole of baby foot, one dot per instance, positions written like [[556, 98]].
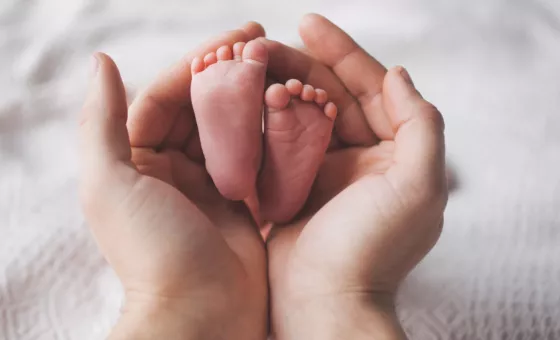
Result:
[[298, 127], [227, 90]]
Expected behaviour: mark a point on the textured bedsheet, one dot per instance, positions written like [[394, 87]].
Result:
[[491, 66]]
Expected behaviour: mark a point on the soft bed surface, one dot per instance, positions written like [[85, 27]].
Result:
[[491, 66]]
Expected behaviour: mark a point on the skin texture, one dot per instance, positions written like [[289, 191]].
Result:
[[183, 254], [227, 106], [297, 132], [374, 211], [227, 91], [187, 258]]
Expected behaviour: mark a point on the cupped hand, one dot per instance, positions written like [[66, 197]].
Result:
[[192, 264], [377, 206]]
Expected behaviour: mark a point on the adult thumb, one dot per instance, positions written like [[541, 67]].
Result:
[[103, 122], [419, 158], [106, 170]]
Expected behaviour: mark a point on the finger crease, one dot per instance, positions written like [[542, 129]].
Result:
[[345, 56]]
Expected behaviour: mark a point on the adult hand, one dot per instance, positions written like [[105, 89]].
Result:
[[192, 264], [377, 206]]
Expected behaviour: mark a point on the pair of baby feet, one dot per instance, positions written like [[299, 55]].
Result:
[[283, 158]]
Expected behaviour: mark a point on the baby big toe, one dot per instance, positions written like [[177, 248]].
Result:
[[277, 97], [255, 51]]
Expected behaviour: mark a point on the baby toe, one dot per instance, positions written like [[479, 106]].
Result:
[[308, 93], [224, 53], [294, 86], [277, 97], [238, 48], [255, 51], [197, 65], [210, 59], [331, 110], [321, 97]]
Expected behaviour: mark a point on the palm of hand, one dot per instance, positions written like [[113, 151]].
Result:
[[353, 212], [205, 236], [316, 243], [176, 245], [189, 247]]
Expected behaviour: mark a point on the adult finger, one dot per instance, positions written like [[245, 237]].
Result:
[[419, 157], [360, 73], [104, 146], [156, 114], [286, 63]]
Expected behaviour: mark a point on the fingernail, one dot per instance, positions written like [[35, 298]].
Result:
[[406, 76], [94, 66]]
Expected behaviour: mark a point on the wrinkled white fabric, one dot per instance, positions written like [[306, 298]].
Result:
[[491, 66]]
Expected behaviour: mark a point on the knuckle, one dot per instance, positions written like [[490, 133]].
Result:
[[430, 112]]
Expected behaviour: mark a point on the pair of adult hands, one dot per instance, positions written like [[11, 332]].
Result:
[[194, 265]]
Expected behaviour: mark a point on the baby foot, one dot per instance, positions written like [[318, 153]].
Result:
[[298, 128], [227, 90]]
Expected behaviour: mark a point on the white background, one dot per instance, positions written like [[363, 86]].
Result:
[[491, 66]]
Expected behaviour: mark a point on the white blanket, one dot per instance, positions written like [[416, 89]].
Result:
[[491, 66]]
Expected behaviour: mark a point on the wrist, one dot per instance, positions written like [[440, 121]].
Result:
[[147, 319], [196, 317], [339, 317]]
